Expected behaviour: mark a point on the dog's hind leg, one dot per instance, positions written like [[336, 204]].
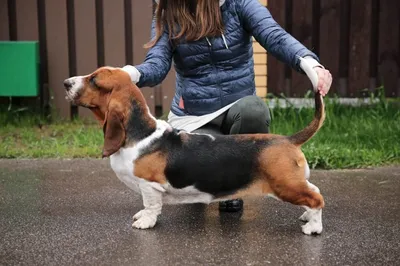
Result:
[[314, 225], [298, 191], [152, 201], [307, 215], [286, 171]]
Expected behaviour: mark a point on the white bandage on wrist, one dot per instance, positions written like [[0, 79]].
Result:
[[133, 73], [312, 62], [308, 67]]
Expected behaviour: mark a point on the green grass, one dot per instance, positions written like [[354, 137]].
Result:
[[29, 137], [351, 137]]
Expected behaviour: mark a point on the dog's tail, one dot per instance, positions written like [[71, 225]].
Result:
[[307, 133]]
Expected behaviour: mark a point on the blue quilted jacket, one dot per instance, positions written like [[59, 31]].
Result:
[[214, 72]]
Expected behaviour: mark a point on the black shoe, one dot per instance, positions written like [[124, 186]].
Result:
[[231, 205]]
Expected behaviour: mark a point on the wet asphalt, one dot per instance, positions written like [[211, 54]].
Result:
[[76, 212]]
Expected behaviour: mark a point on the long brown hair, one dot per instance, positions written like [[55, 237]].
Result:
[[191, 19]]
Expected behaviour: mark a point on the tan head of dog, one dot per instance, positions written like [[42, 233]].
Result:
[[107, 92]]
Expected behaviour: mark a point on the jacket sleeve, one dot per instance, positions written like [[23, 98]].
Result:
[[157, 63], [258, 21]]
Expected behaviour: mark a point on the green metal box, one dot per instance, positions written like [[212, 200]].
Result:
[[19, 68]]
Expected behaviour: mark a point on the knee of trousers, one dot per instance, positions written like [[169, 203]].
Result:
[[252, 109]]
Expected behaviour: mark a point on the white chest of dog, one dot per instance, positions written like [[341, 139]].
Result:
[[154, 194]]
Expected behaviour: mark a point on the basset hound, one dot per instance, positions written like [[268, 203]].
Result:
[[168, 166]]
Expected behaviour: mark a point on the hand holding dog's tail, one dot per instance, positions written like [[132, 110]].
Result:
[[307, 133]]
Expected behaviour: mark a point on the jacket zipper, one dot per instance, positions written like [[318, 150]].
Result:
[[216, 71]]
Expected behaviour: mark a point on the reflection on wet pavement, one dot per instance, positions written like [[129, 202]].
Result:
[[71, 212]]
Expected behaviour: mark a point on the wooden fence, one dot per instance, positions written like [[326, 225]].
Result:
[[358, 40], [76, 37]]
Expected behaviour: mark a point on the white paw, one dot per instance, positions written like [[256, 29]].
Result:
[[305, 217], [138, 215], [144, 220], [312, 227]]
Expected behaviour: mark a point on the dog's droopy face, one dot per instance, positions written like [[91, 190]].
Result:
[[106, 92], [93, 90]]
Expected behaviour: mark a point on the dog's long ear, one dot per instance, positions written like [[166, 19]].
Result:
[[114, 133], [98, 114]]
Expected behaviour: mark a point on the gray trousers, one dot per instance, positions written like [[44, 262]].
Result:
[[249, 115]]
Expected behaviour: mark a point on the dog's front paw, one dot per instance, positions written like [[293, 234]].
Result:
[[144, 220], [312, 227]]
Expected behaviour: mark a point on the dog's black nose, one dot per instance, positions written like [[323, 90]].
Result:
[[67, 84]]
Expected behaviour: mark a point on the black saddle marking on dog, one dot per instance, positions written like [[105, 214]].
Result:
[[219, 167]]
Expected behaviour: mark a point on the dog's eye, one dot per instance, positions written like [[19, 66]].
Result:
[[92, 81]]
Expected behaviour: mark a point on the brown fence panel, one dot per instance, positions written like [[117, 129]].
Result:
[[360, 29], [388, 54], [57, 50], [330, 39], [85, 42], [4, 33], [27, 22], [142, 16], [302, 31], [26, 29], [357, 40], [344, 46], [114, 35], [276, 69]]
